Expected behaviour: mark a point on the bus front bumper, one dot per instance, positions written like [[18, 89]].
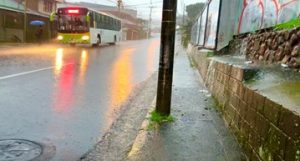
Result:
[[74, 38]]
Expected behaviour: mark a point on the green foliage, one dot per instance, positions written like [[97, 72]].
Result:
[[159, 118], [210, 54], [156, 119], [186, 33], [193, 10], [192, 13], [151, 126], [192, 62], [288, 25]]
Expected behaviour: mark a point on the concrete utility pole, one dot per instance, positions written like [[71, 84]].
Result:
[[25, 20], [150, 20], [120, 5], [183, 12], [166, 60]]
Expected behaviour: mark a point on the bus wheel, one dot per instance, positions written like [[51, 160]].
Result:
[[98, 41]]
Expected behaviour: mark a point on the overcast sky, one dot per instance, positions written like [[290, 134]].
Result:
[[143, 6]]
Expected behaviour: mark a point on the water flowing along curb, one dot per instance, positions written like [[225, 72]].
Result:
[[140, 139]]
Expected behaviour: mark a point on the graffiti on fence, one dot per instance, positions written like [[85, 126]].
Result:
[[259, 14], [243, 16], [212, 24], [202, 27]]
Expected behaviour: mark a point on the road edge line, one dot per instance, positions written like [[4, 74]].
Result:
[[141, 137], [29, 72]]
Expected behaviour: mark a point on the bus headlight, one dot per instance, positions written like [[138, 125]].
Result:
[[60, 37], [85, 37]]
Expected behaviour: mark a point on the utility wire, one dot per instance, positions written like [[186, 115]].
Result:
[[143, 4], [153, 6], [112, 1]]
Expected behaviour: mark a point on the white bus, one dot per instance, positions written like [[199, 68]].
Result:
[[80, 25]]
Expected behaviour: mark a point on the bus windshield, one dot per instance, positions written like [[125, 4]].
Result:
[[72, 24]]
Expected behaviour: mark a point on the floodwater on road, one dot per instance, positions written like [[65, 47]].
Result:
[[66, 98]]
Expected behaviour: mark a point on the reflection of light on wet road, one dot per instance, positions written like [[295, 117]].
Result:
[[83, 65], [121, 83], [64, 91], [64, 88], [58, 61], [151, 55], [29, 50], [71, 94], [83, 54]]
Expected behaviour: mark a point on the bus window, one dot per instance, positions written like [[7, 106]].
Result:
[[74, 20], [106, 22], [92, 19], [101, 19], [69, 23], [119, 25], [111, 24], [97, 20], [115, 24]]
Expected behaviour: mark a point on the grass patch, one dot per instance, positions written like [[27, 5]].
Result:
[[152, 126], [156, 119], [250, 81], [210, 54], [288, 25], [192, 62]]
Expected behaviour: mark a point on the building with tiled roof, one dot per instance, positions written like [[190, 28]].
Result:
[[12, 17]]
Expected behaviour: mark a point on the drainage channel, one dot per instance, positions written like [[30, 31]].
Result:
[[19, 150]]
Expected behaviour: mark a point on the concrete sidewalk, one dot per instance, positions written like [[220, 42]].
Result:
[[198, 132]]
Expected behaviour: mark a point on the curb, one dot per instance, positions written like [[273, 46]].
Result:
[[141, 137], [9, 45]]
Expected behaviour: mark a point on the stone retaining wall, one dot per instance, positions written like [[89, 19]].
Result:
[[266, 130], [275, 47]]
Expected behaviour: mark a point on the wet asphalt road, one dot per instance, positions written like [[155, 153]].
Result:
[[66, 97]]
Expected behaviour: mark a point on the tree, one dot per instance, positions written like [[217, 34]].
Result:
[[193, 11]]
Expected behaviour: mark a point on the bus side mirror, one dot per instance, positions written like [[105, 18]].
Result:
[[88, 18], [52, 16]]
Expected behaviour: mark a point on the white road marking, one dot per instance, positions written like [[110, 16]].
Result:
[[28, 72]]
